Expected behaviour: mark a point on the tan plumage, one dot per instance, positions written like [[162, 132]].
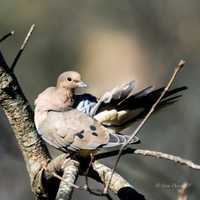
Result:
[[67, 128]]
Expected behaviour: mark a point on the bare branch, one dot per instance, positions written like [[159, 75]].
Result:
[[6, 36], [70, 174], [176, 70], [150, 153], [22, 47], [173, 158]]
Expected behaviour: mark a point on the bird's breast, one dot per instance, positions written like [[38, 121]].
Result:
[[39, 117]]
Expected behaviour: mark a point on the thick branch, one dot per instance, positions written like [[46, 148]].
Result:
[[20, 116]]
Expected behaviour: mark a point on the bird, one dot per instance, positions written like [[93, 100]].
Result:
[[76, 122]]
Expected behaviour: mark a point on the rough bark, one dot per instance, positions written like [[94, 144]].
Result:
[[20, 117], [69, 177]]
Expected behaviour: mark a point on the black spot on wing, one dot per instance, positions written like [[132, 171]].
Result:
[[80, 134], [93, 128], [94, 133]]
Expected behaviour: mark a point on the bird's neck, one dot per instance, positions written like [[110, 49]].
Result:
[[69, 94]]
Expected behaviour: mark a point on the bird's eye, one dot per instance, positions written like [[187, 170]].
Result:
[[69, 79]]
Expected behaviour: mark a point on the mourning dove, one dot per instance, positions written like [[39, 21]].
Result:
[[84, 122]]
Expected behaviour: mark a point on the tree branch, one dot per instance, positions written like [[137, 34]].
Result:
[[6, 36], [20, 117], [150, 153], [70, 174], [22, 47]]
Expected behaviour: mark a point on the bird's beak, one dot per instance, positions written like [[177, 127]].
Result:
[[81, 84]]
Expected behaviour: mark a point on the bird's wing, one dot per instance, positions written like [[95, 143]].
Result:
[[90, 105], [85, 103], [121, 106], [113, 97], [74, 130]]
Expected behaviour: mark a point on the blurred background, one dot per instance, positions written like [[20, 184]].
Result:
[[111, 42]]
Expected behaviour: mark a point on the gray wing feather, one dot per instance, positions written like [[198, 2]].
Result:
[[118, 93]]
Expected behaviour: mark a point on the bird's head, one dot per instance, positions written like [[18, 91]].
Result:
[[70, 80]]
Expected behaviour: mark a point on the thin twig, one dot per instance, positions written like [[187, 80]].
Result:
[[166, 156], [7, 35], [176, 70], [150, 153], [62, 179], [22, 47]]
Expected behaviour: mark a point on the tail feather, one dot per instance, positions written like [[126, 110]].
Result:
[[118, 140], [144, 99]]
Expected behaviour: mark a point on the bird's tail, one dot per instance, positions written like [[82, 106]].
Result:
[[118, 140]]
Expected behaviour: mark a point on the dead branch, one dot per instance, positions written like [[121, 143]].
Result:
[[22, 47], [6, 36], [176, 70], [150, 153]]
